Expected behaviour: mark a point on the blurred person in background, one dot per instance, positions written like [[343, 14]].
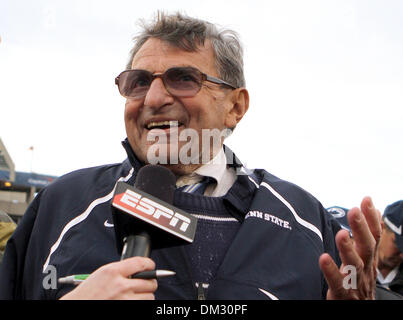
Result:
[[7, 227], [390, 258], [389, 272]]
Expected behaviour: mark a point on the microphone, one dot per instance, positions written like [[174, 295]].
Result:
[[144, 216]]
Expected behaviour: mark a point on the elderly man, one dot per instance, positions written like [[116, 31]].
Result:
[[257, 237]]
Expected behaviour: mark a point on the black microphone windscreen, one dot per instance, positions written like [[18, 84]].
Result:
[[157, 181]]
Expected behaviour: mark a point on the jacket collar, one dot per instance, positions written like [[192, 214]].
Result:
[[134, 161]]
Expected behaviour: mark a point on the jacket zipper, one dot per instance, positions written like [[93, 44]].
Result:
[[201, 290]]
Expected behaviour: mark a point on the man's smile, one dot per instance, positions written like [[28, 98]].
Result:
[[162, 124]]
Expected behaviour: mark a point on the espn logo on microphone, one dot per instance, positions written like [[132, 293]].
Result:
[[142, 205], [154, 211]]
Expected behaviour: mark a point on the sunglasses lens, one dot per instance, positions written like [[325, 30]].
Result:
[[180, 82], [134, 83], [183, 81]]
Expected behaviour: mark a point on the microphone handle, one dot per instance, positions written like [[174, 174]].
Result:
[[136, 246]]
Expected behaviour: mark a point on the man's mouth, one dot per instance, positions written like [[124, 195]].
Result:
[[163, 124]]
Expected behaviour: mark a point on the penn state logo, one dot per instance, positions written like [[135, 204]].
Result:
[[337, 212]]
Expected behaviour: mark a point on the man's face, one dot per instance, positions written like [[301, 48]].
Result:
[[389, 254], [208, 109]]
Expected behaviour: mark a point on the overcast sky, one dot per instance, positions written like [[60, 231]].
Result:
[[325, 80]]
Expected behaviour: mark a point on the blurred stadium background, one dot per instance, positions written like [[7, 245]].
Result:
[[17, 188]]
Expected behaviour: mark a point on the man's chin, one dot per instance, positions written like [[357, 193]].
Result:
[[180, 169], [180, 162]]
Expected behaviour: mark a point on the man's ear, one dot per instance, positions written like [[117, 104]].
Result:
[[239, 100]]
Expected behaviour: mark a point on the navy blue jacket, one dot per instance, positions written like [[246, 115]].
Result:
[[274, 255]]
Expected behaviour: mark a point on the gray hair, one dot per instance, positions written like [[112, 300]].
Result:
[[189, 34]]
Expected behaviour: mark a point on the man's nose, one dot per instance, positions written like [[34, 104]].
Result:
[[157, 96]]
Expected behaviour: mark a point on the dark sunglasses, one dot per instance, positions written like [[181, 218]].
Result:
[[179, 82]]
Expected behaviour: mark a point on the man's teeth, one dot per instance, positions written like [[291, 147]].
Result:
[[159, 124]]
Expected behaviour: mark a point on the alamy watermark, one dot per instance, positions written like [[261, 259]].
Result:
[[350, 280], [186, 147], [50, 279]]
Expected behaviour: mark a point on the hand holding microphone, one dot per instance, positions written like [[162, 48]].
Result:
[[112, 282]]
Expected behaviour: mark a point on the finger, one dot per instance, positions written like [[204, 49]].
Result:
[[373, 217], [142, 285], [363, 238], [347, 252], [135, 296], [132, 265], [144, 296], [332, 275]]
